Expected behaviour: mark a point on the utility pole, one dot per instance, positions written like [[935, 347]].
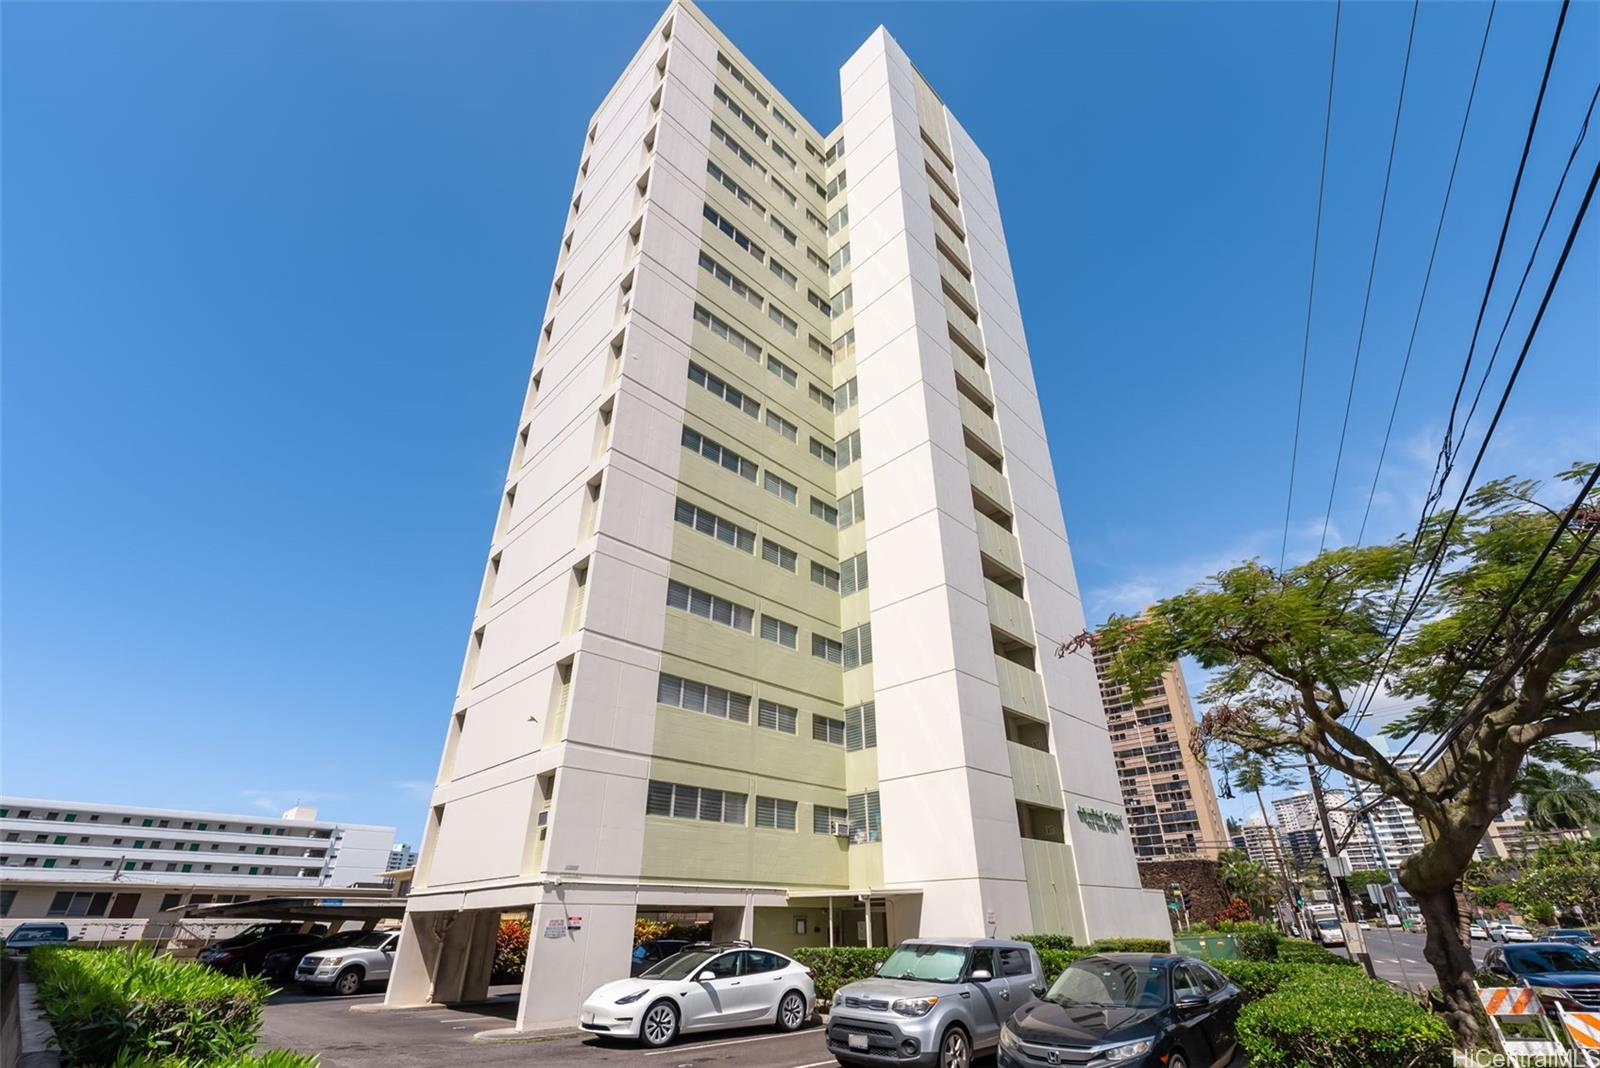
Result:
[[1339, 881]]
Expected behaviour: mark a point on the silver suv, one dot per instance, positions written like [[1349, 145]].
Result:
[[345, 968], [935, 1001]]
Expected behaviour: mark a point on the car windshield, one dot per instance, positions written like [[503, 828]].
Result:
[[371, 939], [36, 934], [1105, 983], [928, 963], [679, 965], [1552, 959], [1327, 924]]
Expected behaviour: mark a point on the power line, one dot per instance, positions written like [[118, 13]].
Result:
[[1494, 354], [1522, 356], [1447, 455], [1372, 270], [1427, 276], [1311, 295]]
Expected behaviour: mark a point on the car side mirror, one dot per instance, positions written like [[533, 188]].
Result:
[[980, 975], [705, 976], [1037, 990], [878, 967], [1190, 1001]]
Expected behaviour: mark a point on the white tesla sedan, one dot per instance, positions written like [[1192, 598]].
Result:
[[703, 987]]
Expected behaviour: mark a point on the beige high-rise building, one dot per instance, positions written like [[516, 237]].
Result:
[[766, 627], [1166, 790]]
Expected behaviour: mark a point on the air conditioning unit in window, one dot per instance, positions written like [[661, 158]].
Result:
[[841, 829]]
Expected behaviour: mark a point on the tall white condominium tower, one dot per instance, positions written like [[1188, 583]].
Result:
[[768, 624]]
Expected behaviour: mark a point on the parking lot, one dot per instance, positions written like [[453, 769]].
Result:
[[429, 1037]]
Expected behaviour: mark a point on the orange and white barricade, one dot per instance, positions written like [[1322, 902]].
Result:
[[1583, 1031], [1503, 1003]]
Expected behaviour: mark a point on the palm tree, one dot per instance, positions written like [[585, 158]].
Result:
[[1252, 775], [1558, 800], [1242, 877]]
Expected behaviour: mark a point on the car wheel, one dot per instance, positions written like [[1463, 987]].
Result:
[[791, 1011], [955, 1051], [1176, 1061], [347, 982], [660, 1024]]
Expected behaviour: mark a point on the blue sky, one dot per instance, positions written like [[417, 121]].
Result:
[[273, 276]]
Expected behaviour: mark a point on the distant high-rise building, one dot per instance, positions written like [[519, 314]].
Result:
[[773, 359], [401, 856], [1262, 845], [1166, 789], [1393, 833]]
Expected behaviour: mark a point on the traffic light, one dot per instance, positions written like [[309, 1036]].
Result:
[[1299, 901]]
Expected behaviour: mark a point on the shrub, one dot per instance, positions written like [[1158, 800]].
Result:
[[272, 1058], [1132, 945], [836, 966], [511, 950], [1299, 951], [1236, 911], [131, 1004], [1256, 941], [1043, 942], [1337, 1018]]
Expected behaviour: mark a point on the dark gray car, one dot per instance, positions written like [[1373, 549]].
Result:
[[935, 1001]]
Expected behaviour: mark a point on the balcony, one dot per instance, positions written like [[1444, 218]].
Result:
[[972, 373], [943, 205], [951, 240], [936, 165], [1008, 613], [988, 482], [1021, 689], [958, 285], [1035, 776], [980, 422], [962, 322], [999, 544]]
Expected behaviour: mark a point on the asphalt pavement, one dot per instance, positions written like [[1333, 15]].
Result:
[[1397, 956], [408, 1038]]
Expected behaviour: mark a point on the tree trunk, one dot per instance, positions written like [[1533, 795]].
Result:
[[1452, 964]]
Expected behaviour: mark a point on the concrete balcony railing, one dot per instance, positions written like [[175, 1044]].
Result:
[[972, 373], [1021, 690], [951, 240], [943, 205], [958, 286], [1008, 613], [987, 481], [962, 322], [1035, 776], [999, 544], [980, 422]]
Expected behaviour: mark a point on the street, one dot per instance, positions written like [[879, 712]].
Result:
[[428, 1037], [1397, 956]]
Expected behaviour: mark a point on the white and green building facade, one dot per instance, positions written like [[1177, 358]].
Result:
[[769, 620]]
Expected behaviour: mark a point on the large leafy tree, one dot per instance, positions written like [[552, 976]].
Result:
[[1501, 652]]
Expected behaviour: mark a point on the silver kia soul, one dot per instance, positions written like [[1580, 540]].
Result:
[[935, 1001]]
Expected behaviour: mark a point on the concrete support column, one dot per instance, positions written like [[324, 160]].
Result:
[[421, 939], [565, 964], [733, 922], [467, 960]]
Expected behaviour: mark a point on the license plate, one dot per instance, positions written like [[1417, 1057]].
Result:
[[857, 1041]]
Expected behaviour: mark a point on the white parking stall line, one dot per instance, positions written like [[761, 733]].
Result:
[[829, 1063], [729, 1042]]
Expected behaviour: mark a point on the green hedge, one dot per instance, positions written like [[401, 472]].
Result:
[[1331, 1017], [1043, 942], [121, 1006], [272, 1058], [1299, 951], [1258, 978], [836, 966], [1132, 945]]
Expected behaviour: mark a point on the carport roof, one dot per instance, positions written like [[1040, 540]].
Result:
[[301, 908]]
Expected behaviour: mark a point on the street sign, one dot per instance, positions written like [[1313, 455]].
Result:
[[1338, 867], [1375, 894], [556, 928]]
